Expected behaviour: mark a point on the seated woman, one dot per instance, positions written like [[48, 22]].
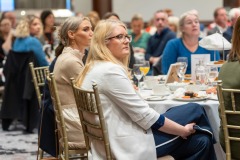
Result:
[[140, 37], [129, 119], [26, 32], [186, 45], [229, 74]]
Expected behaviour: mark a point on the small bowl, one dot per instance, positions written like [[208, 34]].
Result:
[[174, 86]]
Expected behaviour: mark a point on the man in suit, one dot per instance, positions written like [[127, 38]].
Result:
[[220, 19]]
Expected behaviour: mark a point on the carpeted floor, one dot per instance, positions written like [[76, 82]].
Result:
[[14, 145]]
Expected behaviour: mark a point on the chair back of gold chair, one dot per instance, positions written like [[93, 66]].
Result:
[[227, 111], [38, 77], [88, 102], [66, 151]]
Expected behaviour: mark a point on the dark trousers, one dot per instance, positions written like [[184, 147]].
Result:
[[198, 146]]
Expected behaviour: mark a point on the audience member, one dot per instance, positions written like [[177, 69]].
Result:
[[186, 45], [234, 13], [112, 15], [75, 34], [139, 37], [94, 18], [173, 24], [49, 36], [229, 74], [19, 101], [151, 28], [158, 41], [26, 32], [5, 29], [11, 16], [220, 21], [128, 117]]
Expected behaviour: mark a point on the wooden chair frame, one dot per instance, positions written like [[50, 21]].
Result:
[[224, 113], [65, 150], [89, 101], [38, 77]]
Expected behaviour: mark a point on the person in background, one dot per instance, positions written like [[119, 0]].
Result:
[[173, 22], [220, 21], [131, 123], [22, 106], [186, 45], [49, 36], [229, 74], [140, 37], [234, 13], [158, 41], [11, 16], [114, 16], [151, 28], [94, 18], [111, 15], [26, 40], [5, 29]]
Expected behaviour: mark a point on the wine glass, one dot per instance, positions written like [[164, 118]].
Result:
[[212, 74], [145, 67], [182, 68], [138, 73]]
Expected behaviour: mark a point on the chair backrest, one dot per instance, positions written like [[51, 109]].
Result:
[[88, 102], [38, 77], [227, 111], [63, 140]]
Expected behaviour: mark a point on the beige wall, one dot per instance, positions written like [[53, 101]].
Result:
[[126, 8]]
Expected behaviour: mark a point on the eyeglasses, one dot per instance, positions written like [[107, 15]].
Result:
[[122, 38]]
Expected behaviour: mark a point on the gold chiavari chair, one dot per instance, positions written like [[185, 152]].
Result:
[[227, 111]]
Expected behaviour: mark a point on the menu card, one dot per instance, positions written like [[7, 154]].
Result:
[[195, 58]]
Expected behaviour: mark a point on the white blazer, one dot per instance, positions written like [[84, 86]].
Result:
[[128, 117]]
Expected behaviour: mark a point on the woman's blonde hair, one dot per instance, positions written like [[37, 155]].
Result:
[[23, 27], [98, 49]]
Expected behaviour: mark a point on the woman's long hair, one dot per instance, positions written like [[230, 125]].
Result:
[[98, 49], [235, 51]]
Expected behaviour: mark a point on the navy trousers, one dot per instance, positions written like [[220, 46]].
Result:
[[198, 146]]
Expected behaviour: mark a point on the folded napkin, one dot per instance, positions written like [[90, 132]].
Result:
[[215, 42]]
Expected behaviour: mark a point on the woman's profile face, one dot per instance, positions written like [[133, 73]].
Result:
[[83, 35], [35, 27], [191, 26], [49, 21], [118, 43]]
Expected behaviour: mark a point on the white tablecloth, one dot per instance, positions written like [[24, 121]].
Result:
[[210, 106]]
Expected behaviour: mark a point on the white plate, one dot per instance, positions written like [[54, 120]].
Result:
[[190, 99], [155, 98]]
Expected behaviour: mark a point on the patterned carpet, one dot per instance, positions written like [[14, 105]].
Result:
[[14, 145]]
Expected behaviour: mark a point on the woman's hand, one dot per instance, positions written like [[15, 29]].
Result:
[[188, 130]]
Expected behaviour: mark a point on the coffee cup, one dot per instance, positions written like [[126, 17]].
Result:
[[161, 90]]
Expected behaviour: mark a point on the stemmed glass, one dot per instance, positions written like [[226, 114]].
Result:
[[212, 74], [145, 67], [138, 73], [182, 68]]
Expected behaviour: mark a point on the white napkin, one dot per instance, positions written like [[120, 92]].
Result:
[[215, 42], [179, 92]]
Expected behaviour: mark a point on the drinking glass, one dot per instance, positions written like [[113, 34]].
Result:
[[145, 67], [212, 74], [183, 67], [138, 73]]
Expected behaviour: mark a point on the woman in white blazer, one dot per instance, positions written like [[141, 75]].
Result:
[[128, 117]]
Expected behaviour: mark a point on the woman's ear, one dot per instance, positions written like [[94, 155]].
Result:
[[71, 34]]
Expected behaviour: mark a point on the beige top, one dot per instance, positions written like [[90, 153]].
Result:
[[69, 64]]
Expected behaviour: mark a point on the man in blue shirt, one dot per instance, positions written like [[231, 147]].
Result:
[[158, 41]]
